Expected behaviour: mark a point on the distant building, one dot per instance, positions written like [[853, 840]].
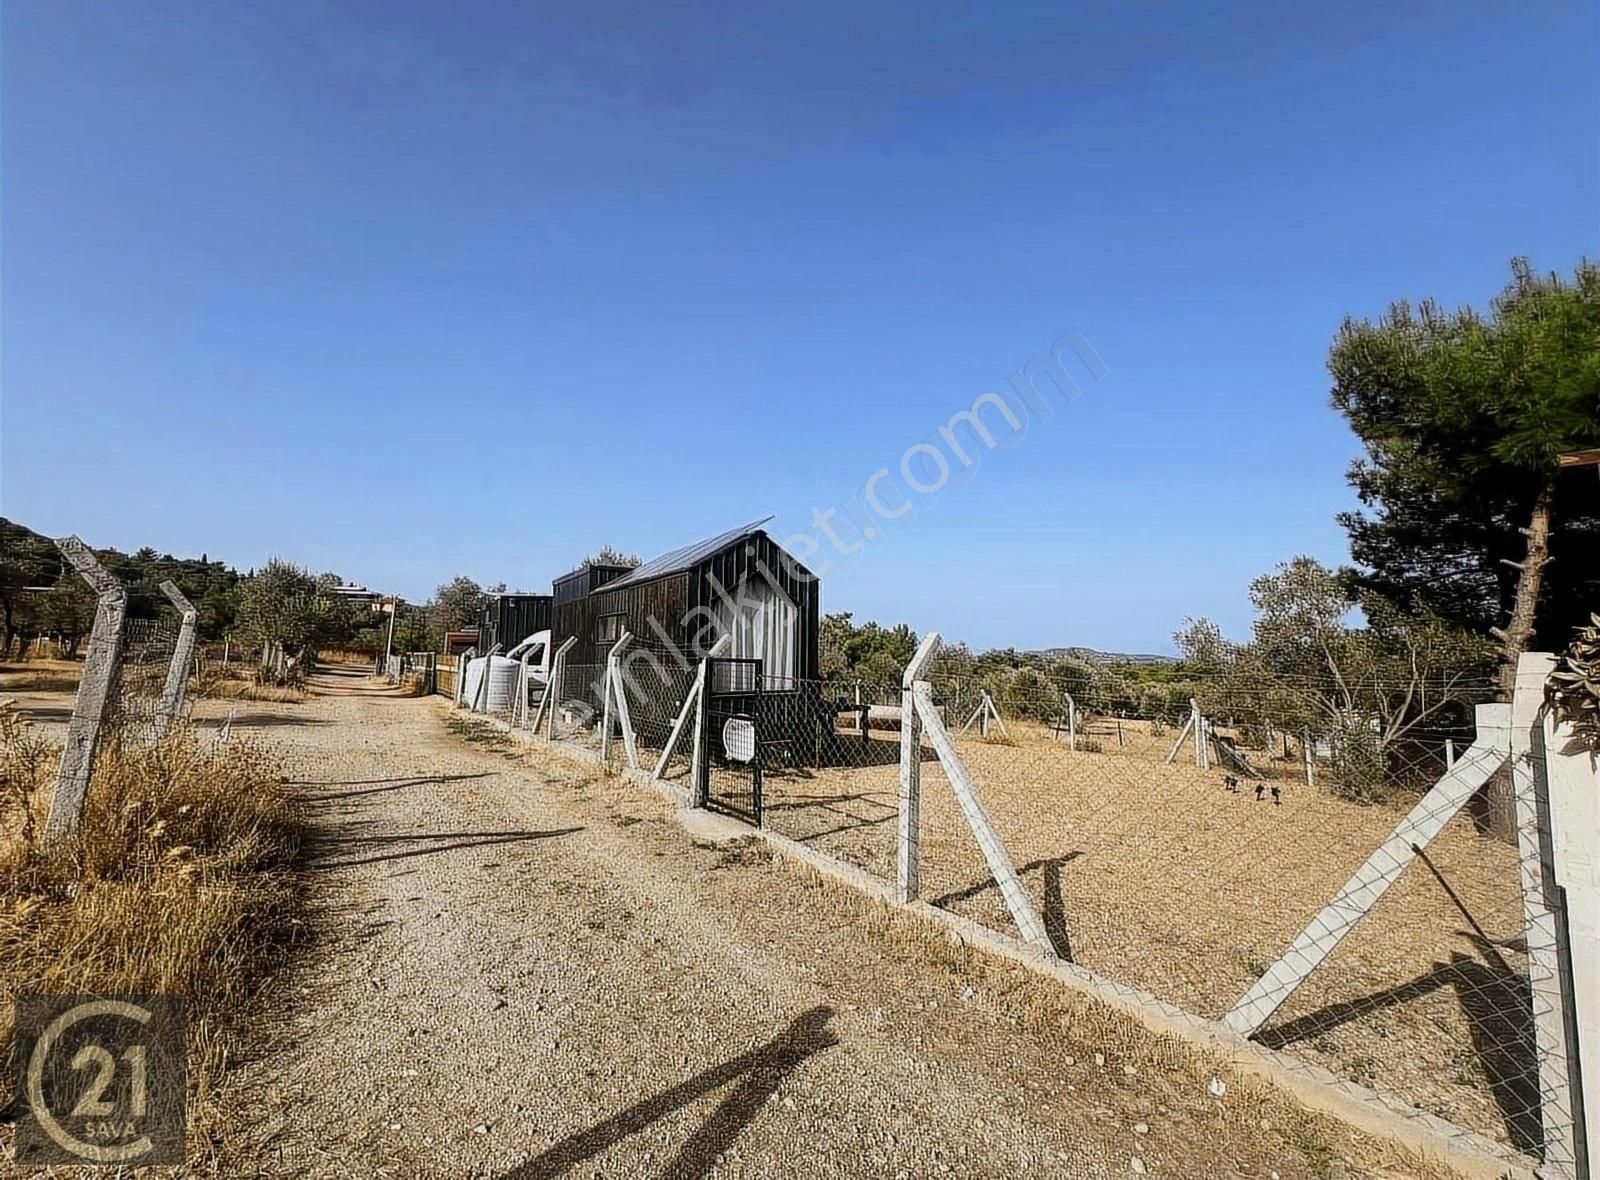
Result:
[[355, 593]]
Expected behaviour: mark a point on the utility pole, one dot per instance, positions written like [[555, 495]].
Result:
[[388, 644]]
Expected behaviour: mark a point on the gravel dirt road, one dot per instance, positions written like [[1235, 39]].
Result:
[[521, 968]]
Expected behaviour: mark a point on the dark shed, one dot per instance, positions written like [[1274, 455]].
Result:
[[571, 611], [740, 581], [508, 619]]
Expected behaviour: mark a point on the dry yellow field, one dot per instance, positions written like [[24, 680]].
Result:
[[1160, 877]]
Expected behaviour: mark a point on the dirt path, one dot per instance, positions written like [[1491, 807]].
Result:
[[526, 970]]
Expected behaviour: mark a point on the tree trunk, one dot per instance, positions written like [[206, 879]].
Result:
[[1494, 807], [1518, 635]]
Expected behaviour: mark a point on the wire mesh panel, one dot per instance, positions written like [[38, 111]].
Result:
[[148, 646], [831, 769], [1187, 845], [732, 738], [575, 703], [1181, 847], [657, 683]]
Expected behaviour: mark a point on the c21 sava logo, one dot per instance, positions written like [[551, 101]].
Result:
[[103, 1080]]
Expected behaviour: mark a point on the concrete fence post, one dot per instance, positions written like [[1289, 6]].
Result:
[[552, 691], [519, 703], [610, 694], [699, 762], [1544, 918], [619, 696], [96, 690], [1572, 794], [908, 876], [177, 685]]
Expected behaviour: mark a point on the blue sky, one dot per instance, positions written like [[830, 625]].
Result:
[[411, 290]]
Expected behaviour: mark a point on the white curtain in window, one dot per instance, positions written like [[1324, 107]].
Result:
[[764, 624]]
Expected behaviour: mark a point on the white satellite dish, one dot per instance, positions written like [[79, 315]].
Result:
[[739, 740]]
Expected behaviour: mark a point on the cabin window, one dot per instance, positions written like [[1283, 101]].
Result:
[[765, 625], [608, 628]]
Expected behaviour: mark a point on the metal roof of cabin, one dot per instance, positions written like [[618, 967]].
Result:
[[687, 557], [583, 569]]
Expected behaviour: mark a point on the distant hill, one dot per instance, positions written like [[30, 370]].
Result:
[[1103, 657], [32, 569]]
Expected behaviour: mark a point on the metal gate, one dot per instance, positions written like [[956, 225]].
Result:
[[730, 754]]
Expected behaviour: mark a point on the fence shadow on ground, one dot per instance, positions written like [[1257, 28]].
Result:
[[759, 1073], [887, 804], [363, 787], [261, 721], [431, 843], [1497, 1003], [1054, 913]]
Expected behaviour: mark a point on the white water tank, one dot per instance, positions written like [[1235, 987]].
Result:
[[503, 671], [502, 684]]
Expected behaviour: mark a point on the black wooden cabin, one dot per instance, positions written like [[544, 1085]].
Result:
[[740, 581], [572, 608], [508, 619]]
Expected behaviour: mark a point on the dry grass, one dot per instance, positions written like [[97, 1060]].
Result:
[[179, 881], [41, 676], [406, 686], [1159, 877], [238, 684]]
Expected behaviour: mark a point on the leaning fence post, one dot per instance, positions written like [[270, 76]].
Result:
[[1029, 926], [552, 690], [101, 667], [177, 685], [908, 876], [1405, 842], [611, 686]]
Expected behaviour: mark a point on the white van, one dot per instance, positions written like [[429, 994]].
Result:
[[503, 673]]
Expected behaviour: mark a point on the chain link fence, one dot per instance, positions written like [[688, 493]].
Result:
[[1177, 843], [1184, 865], [135, 711]]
